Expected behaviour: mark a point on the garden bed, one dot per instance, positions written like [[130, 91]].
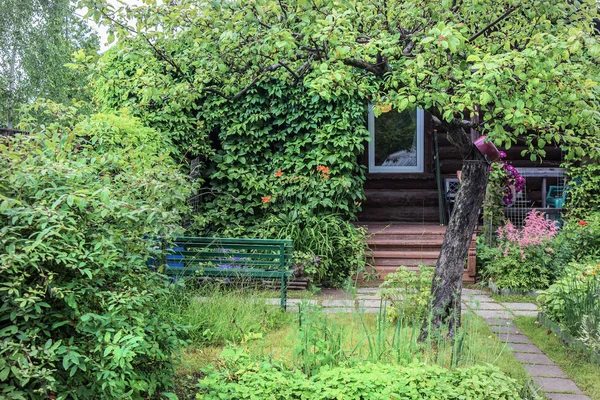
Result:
[[567, 338]]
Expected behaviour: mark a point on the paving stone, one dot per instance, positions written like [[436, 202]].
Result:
[[482, 298], [472, 291], [555, 385], [512, 338], [522, 313], [544, 370], [333, 310], [521, 306], [338, 303], [524, 348], [505, 329], [494, 314], [368, 297], [370, 310], [561, 396], [367, 290], [498, 321], [531, 358], [484, 306]]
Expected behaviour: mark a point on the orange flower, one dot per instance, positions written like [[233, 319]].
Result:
[[278, 173], [266, 199], [582, 223], [323, 169], [593, 272], [386, 108], [326, 176]]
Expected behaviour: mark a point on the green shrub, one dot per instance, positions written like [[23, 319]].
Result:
[[409, 292], [524, 259], [584, 189], [578, 240], [574, 299], [339, 245], [78, 310], [368, 381]]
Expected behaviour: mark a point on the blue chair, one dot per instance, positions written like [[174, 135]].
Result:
[[556, 197]]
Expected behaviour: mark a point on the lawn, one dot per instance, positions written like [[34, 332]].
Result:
[[583, 373], [355, 338]]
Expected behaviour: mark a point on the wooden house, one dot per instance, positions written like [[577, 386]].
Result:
[[411, 180]]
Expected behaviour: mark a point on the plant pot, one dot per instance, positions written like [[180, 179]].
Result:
[[488, 149]]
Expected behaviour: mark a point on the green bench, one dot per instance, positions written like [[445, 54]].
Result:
[[232, 258]]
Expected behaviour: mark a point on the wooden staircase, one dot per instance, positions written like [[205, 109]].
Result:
[[394, 244]]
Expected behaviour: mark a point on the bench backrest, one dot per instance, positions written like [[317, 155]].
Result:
[[200, 253]]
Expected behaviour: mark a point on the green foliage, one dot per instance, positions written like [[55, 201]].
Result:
[[531, 69], [373, 381], [525, 257], [409, 292], [584, 189], [536, 271], [573, 299], [339, 245], [579, 239], [78, 310], [38, 40], [214, 315]]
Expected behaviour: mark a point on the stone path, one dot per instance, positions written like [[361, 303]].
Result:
[[550, 378], [498, 315]]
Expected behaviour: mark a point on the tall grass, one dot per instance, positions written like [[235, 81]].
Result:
[[327, 340], [215, 315]]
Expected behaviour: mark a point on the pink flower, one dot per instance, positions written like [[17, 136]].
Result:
[[536, 231], [582, 223]]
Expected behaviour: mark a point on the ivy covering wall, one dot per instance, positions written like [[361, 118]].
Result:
[[281, 161], [279, 148]]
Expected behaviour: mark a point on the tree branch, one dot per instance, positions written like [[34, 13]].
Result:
[[376, 69], [493, 23]]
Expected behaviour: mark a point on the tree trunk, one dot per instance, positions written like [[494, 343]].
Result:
[[11, 87], [447, 281]]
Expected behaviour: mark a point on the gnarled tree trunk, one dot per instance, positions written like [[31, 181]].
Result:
[[447, 280]]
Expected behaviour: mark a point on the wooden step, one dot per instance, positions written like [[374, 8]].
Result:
[[400, 213], [394, 244], [410, 244]]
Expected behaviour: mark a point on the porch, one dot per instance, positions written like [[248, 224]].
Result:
[[393, 244]]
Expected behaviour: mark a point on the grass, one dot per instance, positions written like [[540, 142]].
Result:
[[354, 338], [215, 315], [575, 365]]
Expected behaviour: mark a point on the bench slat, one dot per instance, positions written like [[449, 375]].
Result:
[[190, 239], [231, 246], [228, 273], [226, 255], [197, 262]]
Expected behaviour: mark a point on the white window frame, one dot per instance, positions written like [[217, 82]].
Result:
[[420, 146]]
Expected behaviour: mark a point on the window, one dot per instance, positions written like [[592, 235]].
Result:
[[397, 141]]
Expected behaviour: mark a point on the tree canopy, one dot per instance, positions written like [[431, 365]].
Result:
[[528, 68], [36, 40]]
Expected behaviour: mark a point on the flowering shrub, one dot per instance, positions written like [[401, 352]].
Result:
[[507, 179], [524, 260], [536, 231]]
